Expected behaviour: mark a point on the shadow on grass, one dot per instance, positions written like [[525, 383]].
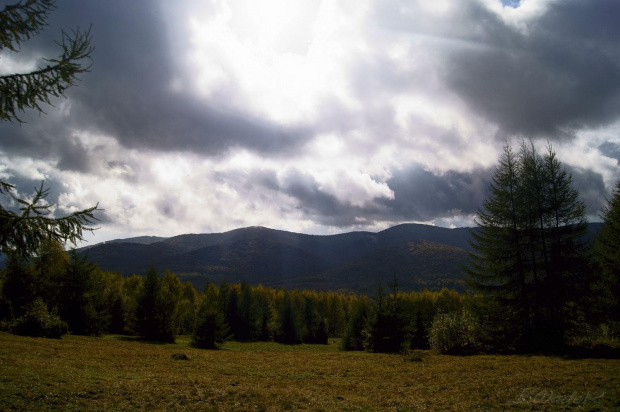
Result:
[[577, 352], [142, 340], [596, 352]]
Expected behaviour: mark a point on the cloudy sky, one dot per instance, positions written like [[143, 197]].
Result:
[[315, 116]]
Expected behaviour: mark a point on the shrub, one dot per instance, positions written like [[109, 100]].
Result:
[[38, 322], [454, 334]]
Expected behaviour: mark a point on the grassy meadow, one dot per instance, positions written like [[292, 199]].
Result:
[[122, 373]]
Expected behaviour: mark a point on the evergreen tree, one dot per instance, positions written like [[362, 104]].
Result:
[[146, 316], [6, 312], [497, 266], [77, 300], [358, 324], [20, 287], [265, 312], [113, 299], [528, 251], [387, 333], [132, 292], [51, 267], [246, 314], [336, 317], [287, 331], [168, 306], [188, 308], [567, 273], [156, 304], [607, 255], [211, 328], [314, 328], [419, 338]]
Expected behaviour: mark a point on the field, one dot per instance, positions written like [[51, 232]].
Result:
[[121, 373]]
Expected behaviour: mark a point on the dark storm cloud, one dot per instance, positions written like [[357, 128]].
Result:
[[74, 157], [419, 195], [591, 188], [45, 137], [561, 75], [422, 195], [128, 93], [310, 198]]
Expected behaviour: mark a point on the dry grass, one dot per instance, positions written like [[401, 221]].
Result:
[[118, 373]]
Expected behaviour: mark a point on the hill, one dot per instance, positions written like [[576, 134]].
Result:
[[419, 256]]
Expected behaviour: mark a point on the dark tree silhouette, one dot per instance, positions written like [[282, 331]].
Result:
[[24, 232], [529, 254], [607, 254]]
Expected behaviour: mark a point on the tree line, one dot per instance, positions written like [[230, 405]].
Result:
[[58, 292]]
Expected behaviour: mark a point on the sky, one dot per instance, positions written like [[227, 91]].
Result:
[[314, 116]]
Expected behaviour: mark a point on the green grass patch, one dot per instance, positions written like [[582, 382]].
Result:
[[122, 373]]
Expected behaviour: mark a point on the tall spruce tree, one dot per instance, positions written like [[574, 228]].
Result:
[[155, 308], [387, 333], [565, 230], [211, 328], [528, 252], [607, 254], [287, 330], [497, 266]]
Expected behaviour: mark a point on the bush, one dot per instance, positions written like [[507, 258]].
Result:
[[38, 322], [454, 334]]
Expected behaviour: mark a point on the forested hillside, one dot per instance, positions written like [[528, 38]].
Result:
[[420, 256]]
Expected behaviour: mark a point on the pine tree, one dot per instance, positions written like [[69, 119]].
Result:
[[156, 305], [146, 310], [387, 332], [497, 266], [211, 329], [529, 254], [419, 339], [77, 292], [20, 286], [607, 254], [246, 314], [566, 227], [358, 325], [287, 331]]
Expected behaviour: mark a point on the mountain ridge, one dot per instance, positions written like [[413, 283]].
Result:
[[419, 256]]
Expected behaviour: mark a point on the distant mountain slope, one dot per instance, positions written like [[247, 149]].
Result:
[[143, 240], [418, 256], [415, 264]]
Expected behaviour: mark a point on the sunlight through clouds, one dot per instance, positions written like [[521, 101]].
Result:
[[237, 43], [316, 116]]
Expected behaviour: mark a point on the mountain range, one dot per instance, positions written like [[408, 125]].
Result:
[[417, 256]]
